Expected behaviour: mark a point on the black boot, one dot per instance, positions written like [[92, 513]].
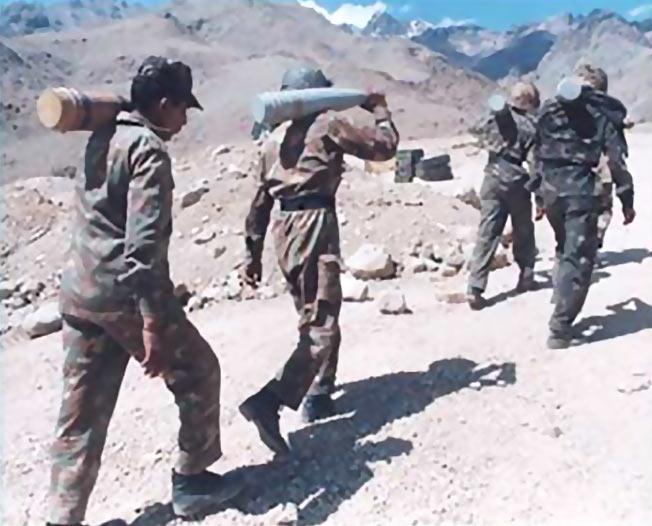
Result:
[[192, 495], [262, 410], [316, 407], [526, 281], [475, 299]]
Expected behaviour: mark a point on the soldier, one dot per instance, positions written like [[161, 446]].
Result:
[[573, 136], [598, 80], [508, 136], [301, 166], [117, 303]]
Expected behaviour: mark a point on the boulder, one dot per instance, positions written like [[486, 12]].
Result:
[[393, 302], [192, 197], [371, 262], [354, 289], [45, 320]]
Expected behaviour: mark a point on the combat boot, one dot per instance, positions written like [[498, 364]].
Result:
[[262, 410], [317, 407], [475, 299], [558, 342], [194, 495], [526, 281]]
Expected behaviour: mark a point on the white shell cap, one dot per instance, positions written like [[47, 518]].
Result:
[[496, 103], [569, 89]]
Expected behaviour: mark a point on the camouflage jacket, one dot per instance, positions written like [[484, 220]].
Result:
[[306, 158], [508, 137], [572, 140], [119, 254]]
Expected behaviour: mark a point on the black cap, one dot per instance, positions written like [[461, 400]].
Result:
[[304, 78], [169, 79]]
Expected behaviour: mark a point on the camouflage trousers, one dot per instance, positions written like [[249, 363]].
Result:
[[497, 205], [574, 221], [97, 354], [606, 212], [308, 250]]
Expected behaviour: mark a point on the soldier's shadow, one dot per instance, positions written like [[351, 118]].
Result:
[[332, 459], [628, 317], [631, 255]]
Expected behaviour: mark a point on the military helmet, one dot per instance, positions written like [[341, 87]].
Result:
[[304, 77], [593, 76], [525, 96]]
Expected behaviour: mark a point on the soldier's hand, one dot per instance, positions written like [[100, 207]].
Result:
[[153, 361], [540, 212], [252, 273], [630, 215], [374, 100]]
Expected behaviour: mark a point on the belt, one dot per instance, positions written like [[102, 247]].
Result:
[[306, 202]]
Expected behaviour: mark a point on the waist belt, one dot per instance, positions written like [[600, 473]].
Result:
[[307, 202]]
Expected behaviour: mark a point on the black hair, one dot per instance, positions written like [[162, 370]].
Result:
[[147, 92]]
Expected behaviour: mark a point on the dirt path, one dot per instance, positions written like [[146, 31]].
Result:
[[545, 437]]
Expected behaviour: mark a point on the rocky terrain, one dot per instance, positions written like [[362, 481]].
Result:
[[446, 416]]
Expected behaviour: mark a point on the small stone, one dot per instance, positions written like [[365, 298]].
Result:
[[236, 171], [451, 297], [192, 197], [354, 289], [556, 432], [266, 293], [449, 272], [393, 302], [7, 288], [218, 252], [195, 303], [475, 385], [203, 236], [233, 285], [212, 293], [500, 260], [220, 150], [469, 196], [45, 320], [454, 256], [415, 265], [371, 262], [205, 219]]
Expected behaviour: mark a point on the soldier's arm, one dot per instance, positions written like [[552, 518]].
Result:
[[257, 219], [377, 143], [148, 218], [616, 151]]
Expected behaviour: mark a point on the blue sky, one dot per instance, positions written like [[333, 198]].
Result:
[[494, 14], [498, 14]]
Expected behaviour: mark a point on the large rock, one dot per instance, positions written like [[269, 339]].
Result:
[[393, 302], [45, 320], [454, 256], [354, 289], [372, 262]]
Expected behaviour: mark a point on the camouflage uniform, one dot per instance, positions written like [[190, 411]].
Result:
[[597, 78], [118, 273], [301, 165], [572, 138], [509, 137]]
